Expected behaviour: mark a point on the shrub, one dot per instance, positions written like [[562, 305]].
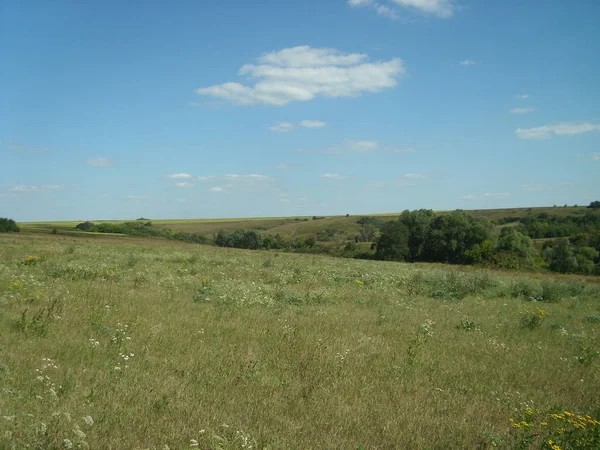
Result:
[[525, 288], [8, 226], [533, 318]]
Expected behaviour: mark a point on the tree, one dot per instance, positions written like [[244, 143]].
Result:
[[561, 257], [85, 226], [595, 204], [418, 224], [366, 233], [585, 257], [512, 241], [392, 244], [8, 226], [452, 235]]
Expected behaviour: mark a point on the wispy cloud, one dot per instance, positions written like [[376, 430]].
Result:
[[41, 188], [333, 176], [415, 176], [135, 197], [595, 156], [184, 185], [521, 110], [179, 176], [99, 162], [359, 146], [27, 148], [561, 129], [283, 127], [408, 180], [534, 187], [312, 123], [497, 195], [522, 96], [501, 195], [216, 189], [439, 8], [468, 62], [303, 73]]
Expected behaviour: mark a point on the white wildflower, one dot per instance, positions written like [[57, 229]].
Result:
[[67, 443], [194, 443], [88, 420], [80, 434]]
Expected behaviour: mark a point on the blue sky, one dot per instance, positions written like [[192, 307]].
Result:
[[110, 110]]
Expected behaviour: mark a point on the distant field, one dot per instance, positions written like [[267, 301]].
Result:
[[151, 344], [291, 226]]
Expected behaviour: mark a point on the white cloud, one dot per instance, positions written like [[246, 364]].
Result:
[[415, 176], [534, 187], [282, 127], [303, 73], [179, 176], [333, 176], [595, 156], [42, 188], [184, 185], [521, 110], [386, 11], [439, 8], [289, 126], [359, 146], [469, 197], [99, 162], [467, 62], [522, 96], [500, 195], [549, 131], [233, 182], [312, 124]]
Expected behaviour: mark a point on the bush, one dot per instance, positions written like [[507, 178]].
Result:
[[8, 226], [525, 288]]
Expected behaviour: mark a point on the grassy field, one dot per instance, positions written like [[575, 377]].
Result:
[[131, 343]]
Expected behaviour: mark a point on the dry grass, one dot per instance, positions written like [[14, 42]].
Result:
[[162, 343]]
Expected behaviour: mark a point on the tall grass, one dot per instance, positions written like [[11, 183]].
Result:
[[141, 344]]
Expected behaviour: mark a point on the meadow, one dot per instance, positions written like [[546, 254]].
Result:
[[134, 343]]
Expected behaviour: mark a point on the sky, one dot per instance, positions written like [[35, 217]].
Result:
[[271, 108]]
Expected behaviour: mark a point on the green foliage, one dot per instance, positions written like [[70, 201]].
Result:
[[561, 256], [418, 224], [392, 244], [248, 239], [481, 253], [140, 228], [8, 225], [452, 235], [594, 204], [366, 233], [532, 318], [370, 220], [526, 288], [467, 325]]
